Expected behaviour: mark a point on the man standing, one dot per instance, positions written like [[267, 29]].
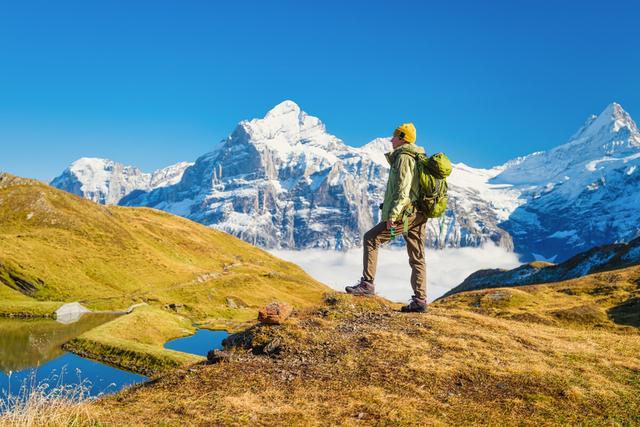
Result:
[[399, 215]]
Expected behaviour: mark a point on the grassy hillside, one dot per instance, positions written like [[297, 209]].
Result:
[[565, 353], [358, 361], [56, 247], [599, 259], [608, 300]]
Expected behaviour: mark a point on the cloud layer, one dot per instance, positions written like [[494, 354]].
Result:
[[445, 268]]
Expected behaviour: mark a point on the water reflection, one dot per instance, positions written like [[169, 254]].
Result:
[[199, 343], [26, 343], [31, 356]]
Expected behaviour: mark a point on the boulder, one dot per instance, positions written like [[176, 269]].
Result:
[[71, 312], [275, 313], [216, 356]]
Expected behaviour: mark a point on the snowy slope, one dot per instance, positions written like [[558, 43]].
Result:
[[105, 181], [578, 195]]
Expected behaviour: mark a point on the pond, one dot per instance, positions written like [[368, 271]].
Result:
[[31, 355], [199, 343]]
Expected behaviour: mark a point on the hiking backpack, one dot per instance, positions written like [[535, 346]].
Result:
[[432, 197]]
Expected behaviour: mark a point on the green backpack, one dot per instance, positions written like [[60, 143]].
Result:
[[434, 170]]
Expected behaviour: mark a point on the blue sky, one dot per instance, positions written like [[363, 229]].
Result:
[[153, 83]]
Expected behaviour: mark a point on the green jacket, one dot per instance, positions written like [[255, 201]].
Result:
[[403, 182]]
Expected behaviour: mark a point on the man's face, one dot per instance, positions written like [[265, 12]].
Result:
[[396, 142]]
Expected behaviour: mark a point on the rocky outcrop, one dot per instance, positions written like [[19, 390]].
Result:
[[275, 313], [70, 312]]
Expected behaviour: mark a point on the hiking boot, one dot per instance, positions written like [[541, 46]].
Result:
[[362, 288], [415, 306]]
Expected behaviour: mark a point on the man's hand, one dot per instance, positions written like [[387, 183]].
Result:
[[390, 224]]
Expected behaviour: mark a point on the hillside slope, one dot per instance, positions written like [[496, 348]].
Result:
[[358, 361], [606, 300], [600, 258], [56, 247], [60, 247]]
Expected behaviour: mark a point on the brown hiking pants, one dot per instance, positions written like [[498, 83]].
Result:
[[415, 239]]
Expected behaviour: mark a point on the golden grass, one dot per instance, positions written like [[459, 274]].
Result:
[[359, 361], [601, 300], [45, 412], [50, 404], [16, 304]]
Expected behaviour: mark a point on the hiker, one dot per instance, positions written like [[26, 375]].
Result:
[[399, 215]]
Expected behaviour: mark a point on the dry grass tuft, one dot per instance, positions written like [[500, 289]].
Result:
[[39, 404], [41, 411]]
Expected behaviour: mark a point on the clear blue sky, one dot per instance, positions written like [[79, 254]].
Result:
[[150, 83]]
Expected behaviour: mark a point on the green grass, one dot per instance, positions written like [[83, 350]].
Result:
[[135, 341], [70, 249], [15, 304], [56, 247]]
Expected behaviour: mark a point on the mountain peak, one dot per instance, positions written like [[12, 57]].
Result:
[[614, 108], [615, 112], [612, 119], [377, 148], [284, 108], [83, 161], [285, 125]]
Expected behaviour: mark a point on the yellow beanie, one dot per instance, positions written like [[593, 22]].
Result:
[[406, 131]]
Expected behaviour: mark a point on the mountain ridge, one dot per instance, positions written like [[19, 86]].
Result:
[[106, 181], [282, 181]]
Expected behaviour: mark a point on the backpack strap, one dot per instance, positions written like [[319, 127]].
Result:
[[438, 188]]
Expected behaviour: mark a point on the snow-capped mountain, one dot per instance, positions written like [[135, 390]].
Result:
[[578, 195], [283, 181], [280, 181], [105, 181]]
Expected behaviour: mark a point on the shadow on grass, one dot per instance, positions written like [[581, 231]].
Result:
[[626, 313]]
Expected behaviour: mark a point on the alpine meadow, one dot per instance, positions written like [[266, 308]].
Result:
[[409, 213]]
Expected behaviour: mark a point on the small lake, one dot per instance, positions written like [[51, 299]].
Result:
[[199, 343], [31, 354]]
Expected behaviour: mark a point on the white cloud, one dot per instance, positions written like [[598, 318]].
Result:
[[445, 268]]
